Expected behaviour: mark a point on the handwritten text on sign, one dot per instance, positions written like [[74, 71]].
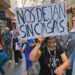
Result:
[[46, 19]]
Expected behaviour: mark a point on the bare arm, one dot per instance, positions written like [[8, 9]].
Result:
[[36, 53], [23, 48], [61, 68], [65, 61]]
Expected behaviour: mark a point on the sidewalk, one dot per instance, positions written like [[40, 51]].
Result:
[[12, 69]]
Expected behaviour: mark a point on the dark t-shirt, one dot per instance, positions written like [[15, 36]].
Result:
[[7, 38], [14, 43], [45, 58]]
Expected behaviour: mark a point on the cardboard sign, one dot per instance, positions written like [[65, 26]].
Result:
[[47, 19]]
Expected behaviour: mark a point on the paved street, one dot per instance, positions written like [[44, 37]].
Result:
[[12, 69]]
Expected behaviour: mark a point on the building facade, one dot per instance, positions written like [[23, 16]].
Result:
[[70, 6], [6, 13]]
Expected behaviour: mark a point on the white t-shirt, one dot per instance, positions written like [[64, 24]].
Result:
[[18, 46]]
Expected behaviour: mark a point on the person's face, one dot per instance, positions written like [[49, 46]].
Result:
[[13, 29], [7, 30], [15, 33], [51, 42], [73, 22]]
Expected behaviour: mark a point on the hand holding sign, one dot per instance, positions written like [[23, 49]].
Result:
[[41, 38]]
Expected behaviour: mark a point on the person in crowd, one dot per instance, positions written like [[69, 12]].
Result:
[[27, 47], [31, 68], [3, 55], [12, 31], [71, 48], [52, 58], [17, 46], [7, 37]]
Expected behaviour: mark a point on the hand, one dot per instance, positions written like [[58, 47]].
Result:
[[40, 38], [32, 45], [23, 50], [59, 71], [23, 42]]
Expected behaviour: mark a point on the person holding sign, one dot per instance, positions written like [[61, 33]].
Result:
[[52, 58]]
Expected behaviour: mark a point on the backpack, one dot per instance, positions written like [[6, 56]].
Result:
[[7, 38]]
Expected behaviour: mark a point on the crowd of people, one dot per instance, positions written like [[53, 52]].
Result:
[[44, 55]]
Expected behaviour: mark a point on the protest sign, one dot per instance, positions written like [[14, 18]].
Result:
[[47, 19]]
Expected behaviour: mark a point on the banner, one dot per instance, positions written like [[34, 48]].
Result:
[[47, 19]]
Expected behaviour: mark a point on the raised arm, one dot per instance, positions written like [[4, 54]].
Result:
[[61, 68], [36, 53]]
